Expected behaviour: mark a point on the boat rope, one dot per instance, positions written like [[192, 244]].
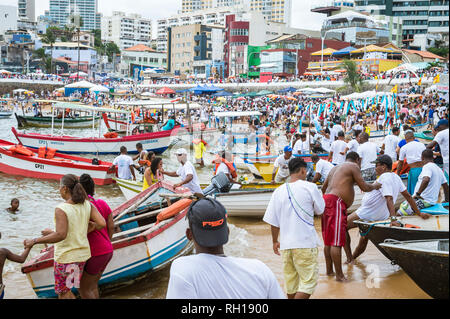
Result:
[[370, 228]]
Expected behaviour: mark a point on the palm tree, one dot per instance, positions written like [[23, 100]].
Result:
[[44, 59], [352, 78], [50, 38]]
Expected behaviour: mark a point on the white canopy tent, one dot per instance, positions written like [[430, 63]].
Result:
[[99, 88], [81, 85]]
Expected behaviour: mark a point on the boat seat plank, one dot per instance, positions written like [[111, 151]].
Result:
[[131, 231], [137, 217]]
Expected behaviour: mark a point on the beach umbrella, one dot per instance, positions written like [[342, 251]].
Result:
[[165, 90], [223, 93], [264, 92]]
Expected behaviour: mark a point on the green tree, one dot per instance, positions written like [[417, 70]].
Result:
[[45, 60], [49, 37], [352, 76], [111, 49]]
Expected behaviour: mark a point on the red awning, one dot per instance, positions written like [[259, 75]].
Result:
[[165, 91]]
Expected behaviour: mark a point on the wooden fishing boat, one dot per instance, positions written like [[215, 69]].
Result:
[[143, 244], [5, 114], [425, 136], [131, 188], [157, 142], [425, 261], [262, 166], [46, 121], [22, 161], [415, 228]]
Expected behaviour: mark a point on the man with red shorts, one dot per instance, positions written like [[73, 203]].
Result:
[[339, 194]]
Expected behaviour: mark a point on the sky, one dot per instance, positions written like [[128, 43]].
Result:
[[302, 17]]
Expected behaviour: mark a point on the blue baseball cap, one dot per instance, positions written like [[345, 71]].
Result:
[[287, 149], [443, 122]]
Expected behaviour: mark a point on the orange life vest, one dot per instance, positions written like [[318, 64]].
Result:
[[230, 166], [173, 209], [405, 167], [20, 149]]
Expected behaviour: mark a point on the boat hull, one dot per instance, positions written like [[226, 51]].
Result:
[[436, 227], [41, 168], [157, 142], [134, 257], [427, 266]]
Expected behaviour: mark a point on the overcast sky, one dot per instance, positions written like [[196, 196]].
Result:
[[302, 17]]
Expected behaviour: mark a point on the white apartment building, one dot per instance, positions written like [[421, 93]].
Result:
[[272, 10], [205, 17], [8, 18], [126, 30], [26, 10]]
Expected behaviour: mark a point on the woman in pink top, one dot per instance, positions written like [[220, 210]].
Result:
[[100, 244]]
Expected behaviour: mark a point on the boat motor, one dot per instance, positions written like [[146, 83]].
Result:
[[219, 184]]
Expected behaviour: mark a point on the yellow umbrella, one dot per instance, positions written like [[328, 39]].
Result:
[[327, 51]]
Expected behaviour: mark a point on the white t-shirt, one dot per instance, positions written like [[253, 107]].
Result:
[[337, 147], [442, 139], [326, 143], [223, 168], [373, 205], [123, 163], [437, 178], [390, 145], [207, 276], [368, 153], [282, 164], [358, 127], [335, 130], [323, 168], [188, 169], [352, 146], [296, 225], [412, 151], [297, 149]]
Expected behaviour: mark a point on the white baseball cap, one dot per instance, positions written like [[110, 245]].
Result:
[[181, 151]]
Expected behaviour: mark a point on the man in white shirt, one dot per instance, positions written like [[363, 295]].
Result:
[[291, 213], [368, 152], [326, 140], [335, 131], [442, 138], [428, 186], [187, 173], [124, 164], [378, 205], [322, 169], [390, 144], [353, 145], [337, 155], [305, 144], [412, 151], [297, 144], [282, 165], [209, 273], [358, 127]]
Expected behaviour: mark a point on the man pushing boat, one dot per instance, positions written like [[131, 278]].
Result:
[[339, 194]]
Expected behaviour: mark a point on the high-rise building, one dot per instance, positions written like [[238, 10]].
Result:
[[422, 18], [126, 30], [26, 10], [273, 10], [62, 11]]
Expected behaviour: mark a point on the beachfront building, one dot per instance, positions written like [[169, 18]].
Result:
[[26, 10], [193, 49], [272, 10], [251, 29], [62, 10], [424, 21], [69, 51], [141, 58], [126, 30], [289, 55]]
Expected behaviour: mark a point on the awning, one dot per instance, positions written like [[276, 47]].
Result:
[[344, 51], [327, 51]]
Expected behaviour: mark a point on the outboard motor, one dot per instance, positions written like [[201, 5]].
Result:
[[219, 184]]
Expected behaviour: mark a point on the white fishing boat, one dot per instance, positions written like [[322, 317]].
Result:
[[5, 114], [149, 239], [157, 142]]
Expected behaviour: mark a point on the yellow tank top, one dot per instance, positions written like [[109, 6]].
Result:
[[75, 248], [199, 149], [145, 185]]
